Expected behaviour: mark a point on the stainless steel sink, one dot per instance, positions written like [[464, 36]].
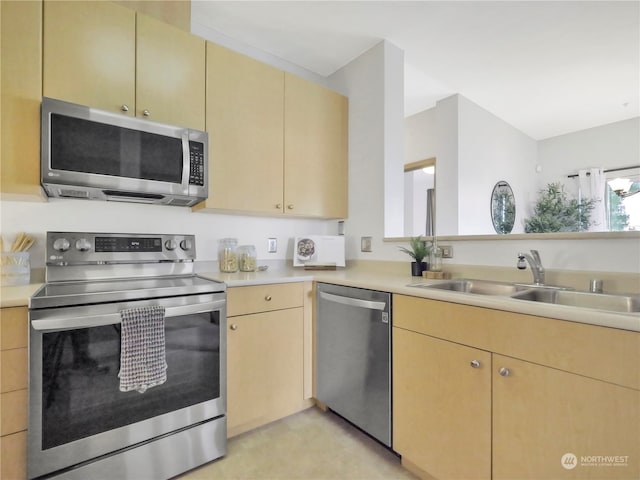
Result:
[[481, 287], [599, 301]]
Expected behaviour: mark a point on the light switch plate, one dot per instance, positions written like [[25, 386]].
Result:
[[272, 246], [447, 251], [365, 244]]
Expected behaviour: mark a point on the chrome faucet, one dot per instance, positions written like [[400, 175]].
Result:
[[535, 263]]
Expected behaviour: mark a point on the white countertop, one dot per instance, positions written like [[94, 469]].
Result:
[[389, 282]]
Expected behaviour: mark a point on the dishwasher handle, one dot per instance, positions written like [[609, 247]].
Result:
[[353, 302]]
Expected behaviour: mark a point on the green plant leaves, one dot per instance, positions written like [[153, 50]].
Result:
[[556, 212]]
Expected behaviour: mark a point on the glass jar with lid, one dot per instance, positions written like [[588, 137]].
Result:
[[247, 258], [228, 255]]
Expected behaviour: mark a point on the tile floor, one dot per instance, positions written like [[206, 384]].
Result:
[[310, 445]]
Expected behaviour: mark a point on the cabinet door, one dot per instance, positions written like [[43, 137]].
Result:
[[441, 406], [170, 74], [89, 54], [264, 368], [246, 127], [13, 391], [316, 150], [21, 93], [541, 414]]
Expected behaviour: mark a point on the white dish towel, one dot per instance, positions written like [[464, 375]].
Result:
[[143, 362]]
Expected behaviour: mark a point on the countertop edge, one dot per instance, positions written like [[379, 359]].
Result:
[[18, 296]]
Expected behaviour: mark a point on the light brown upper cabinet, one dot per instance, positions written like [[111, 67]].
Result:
[[245, 121], [109, 57], [170, 74], [20, 93], [315, 150], [277, 143]]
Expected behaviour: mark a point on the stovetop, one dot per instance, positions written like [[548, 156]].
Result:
[[89, 268]]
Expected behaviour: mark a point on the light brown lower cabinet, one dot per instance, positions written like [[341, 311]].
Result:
[[13, 393], [462, 412], [266, 365], [442, 406], [550, 424]]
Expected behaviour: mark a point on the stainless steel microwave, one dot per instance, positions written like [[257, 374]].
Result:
[[98, 155]]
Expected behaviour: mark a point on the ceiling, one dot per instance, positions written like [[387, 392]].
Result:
[[545, 67]]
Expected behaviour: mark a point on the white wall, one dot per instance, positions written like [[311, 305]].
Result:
[[374, 144], [416, 185], [605, 255], [447, 152], [420, 138], [88, 216], [490, 150], [393, 138], [474, 150], [474, 145], [613, 145]]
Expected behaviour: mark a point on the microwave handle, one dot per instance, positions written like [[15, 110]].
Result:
[[88, 321], [186, 163]]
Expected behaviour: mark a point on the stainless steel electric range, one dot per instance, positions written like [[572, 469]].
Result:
[[81, 425]]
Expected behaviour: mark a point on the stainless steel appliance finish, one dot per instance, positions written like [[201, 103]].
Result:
[[93, 154], [353, 356], [80, 424]]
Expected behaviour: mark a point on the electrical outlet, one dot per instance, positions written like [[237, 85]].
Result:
[[272, 246], [365, 244], [447, 251]]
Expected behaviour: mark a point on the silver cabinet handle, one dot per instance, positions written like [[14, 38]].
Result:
[[474, 364], [505, 372], [234, 326], [290, 206], [124, 108], [353, 302], [146, 113], [268, 298], [279, 206]]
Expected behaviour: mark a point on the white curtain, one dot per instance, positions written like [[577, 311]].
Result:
[[592, 186]]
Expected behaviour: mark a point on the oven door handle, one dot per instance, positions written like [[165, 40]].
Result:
[[88, 321]]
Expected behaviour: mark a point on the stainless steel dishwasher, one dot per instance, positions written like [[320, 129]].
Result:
[[353, 356]]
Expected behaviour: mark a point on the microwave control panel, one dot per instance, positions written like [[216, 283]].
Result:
[[196, 162]]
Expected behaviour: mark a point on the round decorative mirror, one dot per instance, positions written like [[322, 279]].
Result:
[[503, 207]]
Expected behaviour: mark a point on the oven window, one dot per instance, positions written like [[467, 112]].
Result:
[[79, 145], [80, 385]]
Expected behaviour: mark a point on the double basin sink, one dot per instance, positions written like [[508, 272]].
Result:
[[540, 293]]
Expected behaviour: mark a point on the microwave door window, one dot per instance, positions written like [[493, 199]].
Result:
[[79, 145]]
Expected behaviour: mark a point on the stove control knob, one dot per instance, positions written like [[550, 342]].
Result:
[[83, 245], [170, 245], [186, 245], [61, 244]]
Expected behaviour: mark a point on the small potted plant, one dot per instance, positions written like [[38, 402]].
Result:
[[418, 250]]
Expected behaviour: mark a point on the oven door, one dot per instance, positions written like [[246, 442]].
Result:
[[78, 413]]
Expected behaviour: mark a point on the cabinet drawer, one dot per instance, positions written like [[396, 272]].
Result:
[[13, 367], [264, 298], [13, 328], [13, 415], [13, 456]]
